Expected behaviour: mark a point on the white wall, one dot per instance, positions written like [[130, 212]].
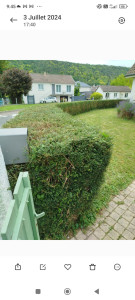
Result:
[[85, 89], [5, 192], [120, 95], [132, 97], [40, 94]]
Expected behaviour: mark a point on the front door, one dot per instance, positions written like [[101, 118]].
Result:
[[63, 98], [31, 99]]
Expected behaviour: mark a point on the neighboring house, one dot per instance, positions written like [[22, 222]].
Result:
[[88, 94], [84, 87], [44, 85], [114, 92], [131, 73]]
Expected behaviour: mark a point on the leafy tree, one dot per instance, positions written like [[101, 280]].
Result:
[[3, 65], [16, 82], [91, 74], [77, 90], [96, 96], [2, 88], [122, 81]]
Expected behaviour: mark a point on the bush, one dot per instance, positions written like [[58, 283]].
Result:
[[126, 109], [66, 167], [75, 108], [96, 96]]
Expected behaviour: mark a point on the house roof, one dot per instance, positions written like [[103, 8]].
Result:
[[88, 94], [52, 78], [131, 72], [113, 88], [82, 84], [94, 88]]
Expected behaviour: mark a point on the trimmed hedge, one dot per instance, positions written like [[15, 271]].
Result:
[[66, 167], [75, 108]]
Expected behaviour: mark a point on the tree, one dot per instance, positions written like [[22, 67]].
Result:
[[96, 96], [77, 90], [3, 65], [16, 82], [2, 88], [122, 81]]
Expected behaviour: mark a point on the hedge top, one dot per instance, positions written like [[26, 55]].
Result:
[[79, 107], [49, 127]]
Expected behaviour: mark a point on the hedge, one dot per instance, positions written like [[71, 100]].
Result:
[[75, 108], [67, 163]]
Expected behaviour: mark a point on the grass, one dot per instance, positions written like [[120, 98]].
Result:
[[16, 106], [121, 170]]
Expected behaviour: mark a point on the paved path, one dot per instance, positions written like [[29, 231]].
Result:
[[116, 222], [7, 115]]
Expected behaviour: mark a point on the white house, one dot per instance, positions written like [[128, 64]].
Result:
[[84, 87], [131, 73], [114, 92], [44, 85]]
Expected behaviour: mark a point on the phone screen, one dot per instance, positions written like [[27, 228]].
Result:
[[67, 140]]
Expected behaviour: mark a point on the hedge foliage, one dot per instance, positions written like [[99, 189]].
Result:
[[66, 167], [96, 96], [75, 108]]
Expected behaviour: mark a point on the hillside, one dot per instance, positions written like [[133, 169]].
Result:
[[91, 74]]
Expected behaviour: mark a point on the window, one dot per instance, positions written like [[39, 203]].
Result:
[[107, 95], [40, 87], [126, 95], [69, 88], [115, 95], [58, 88]]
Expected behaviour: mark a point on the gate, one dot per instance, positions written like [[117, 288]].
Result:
[[21, 220], [31, 99]]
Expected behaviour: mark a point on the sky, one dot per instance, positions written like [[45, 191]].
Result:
[[123, 63], [86, 60]]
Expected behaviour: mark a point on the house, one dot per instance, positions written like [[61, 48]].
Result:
[[114, 92], [84, 87], [92, 90], [131, 73], [44, 85]]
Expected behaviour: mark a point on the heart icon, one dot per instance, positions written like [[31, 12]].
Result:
[[67, 266]]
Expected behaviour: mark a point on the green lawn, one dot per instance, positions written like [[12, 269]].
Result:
[[121, 170], [15, 106]]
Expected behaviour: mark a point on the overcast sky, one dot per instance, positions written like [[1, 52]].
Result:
[[123, 63], [86, 60]]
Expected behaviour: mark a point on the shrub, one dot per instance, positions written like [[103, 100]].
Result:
[[96, 96], [75, 108], [126, 109], [66, 167]]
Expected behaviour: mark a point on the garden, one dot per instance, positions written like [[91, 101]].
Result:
[[121, 170], [73, 167]]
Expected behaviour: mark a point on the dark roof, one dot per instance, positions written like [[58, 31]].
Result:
[[131, 72], [94, 88], [85, 92], [113, 88], [52, 78], [88, 94], [82, 84]]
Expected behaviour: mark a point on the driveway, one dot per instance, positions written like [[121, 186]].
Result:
[[7, 115]]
